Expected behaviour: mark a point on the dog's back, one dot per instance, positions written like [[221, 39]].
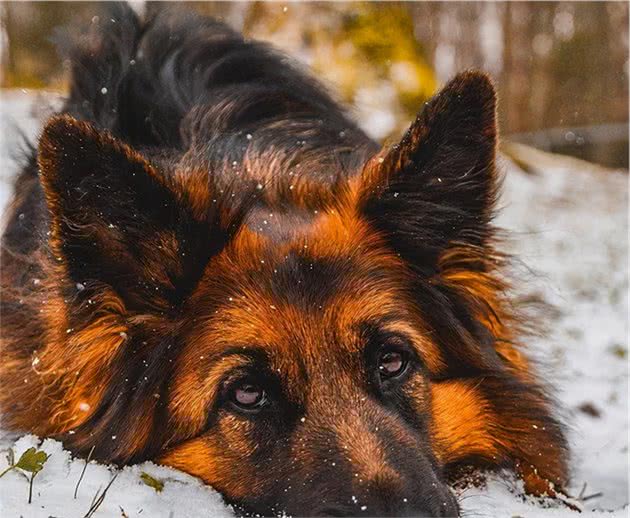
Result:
[[179, 80]]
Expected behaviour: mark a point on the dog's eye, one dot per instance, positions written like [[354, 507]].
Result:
[[392, 364], [248, 396]]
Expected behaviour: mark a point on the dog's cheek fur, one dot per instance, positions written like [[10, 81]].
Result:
[[222, 457], [499, 422], [249, 460]]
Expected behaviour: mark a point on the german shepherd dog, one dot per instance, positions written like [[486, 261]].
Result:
[[207, 264]]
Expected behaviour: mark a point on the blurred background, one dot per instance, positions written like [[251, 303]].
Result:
[[561, 67]]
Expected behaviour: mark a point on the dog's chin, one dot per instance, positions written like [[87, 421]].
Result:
[[441, 504]]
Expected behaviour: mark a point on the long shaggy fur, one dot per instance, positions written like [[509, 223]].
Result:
[[201, 211]]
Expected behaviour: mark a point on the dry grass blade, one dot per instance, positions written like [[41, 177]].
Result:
[[97, 501], [599, 494], [87, 461]]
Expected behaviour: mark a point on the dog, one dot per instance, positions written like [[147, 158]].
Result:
[[209, 265]]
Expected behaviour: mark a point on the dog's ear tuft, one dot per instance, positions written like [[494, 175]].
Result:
[[436, 188], [115, 219]]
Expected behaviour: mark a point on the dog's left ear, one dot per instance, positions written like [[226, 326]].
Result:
[[437, 187]]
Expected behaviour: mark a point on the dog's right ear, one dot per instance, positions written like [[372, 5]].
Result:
[[116, 220]]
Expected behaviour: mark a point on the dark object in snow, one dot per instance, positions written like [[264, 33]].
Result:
[[590, 409], [209, 265], [99, 497]]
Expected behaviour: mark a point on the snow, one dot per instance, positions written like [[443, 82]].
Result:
[[568, 224], [53, 489]]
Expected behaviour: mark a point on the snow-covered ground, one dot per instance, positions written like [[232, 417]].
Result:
[[568, 224]]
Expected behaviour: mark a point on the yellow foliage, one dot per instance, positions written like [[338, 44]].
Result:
[[384, 34]]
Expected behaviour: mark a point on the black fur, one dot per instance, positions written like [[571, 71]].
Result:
[[180, 81]]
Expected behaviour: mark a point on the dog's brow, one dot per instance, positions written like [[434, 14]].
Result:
[[252, 354]]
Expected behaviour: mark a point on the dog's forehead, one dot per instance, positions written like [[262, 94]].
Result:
[[310, 301], [300, 293]]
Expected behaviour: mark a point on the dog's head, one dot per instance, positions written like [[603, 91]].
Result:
[[333, 359]]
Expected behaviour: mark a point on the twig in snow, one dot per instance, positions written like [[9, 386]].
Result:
[[583, 498], [590, 497], [95, 496], [568, 501], [96, 502], [83, 471], [579, 497]]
